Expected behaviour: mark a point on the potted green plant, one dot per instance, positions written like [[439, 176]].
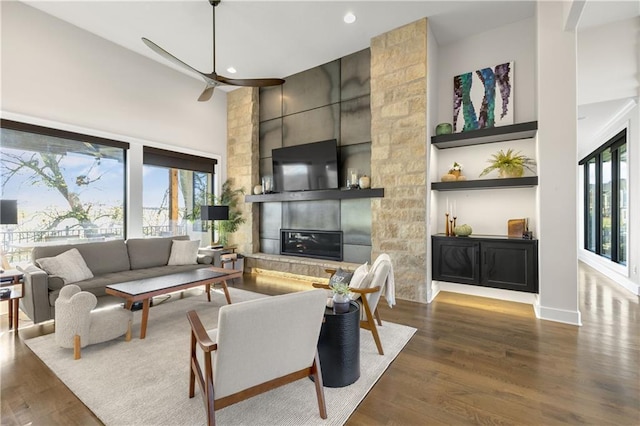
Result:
[[341, 299], [509, 164]]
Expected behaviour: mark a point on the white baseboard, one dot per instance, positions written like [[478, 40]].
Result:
[[557, 315], [435, 290], [614, 272]]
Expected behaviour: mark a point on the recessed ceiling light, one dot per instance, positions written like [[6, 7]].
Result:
[[349, 18], [231, 70]]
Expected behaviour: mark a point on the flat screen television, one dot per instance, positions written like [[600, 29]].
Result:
[[306, 167]]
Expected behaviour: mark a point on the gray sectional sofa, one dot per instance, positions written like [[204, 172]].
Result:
[[110, 262]]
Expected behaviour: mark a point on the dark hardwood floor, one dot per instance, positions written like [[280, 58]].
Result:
[[472, 361]]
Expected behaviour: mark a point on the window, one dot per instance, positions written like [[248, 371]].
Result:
[[68, 186], [606, 178], [175, 185]]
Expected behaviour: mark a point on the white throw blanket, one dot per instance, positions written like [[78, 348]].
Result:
[[390, 287]]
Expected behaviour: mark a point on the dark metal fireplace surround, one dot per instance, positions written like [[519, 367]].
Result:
[[307, 243]]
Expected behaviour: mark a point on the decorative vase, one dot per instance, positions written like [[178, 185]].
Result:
[[364, 182], [257, 189], [340, 303], [456, 173], [448, 177], [444, 129], [267, 184], [513, 172]]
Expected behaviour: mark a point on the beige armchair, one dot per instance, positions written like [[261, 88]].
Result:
[[378, 280], [258, 345], [77, 325]]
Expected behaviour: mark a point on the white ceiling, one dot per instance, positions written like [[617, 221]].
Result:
[[280, 38], [273, 38]]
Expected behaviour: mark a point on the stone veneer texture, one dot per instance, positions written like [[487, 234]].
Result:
[[398, 154], [243, 161]]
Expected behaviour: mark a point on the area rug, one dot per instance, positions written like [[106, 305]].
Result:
[[145, 382]]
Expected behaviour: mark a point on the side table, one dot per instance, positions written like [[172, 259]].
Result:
[[339, 347], [17, 291]]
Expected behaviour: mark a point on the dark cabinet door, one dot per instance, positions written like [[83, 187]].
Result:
[[509, 265], [456, 260]]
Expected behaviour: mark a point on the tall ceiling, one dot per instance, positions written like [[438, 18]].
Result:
[[273, 38], [265, 38]]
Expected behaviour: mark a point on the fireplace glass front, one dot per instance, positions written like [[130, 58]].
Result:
[[306, 243]]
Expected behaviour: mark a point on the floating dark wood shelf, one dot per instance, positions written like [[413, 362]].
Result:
[[323, 194], [493, 134], [523, 182]]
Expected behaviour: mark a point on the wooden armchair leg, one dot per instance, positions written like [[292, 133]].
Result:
[[377, 314], [376, 337], [76, 346], [317, 380]]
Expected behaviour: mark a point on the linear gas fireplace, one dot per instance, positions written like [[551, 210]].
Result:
[[318, 244]]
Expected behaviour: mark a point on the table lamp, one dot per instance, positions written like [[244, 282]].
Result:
[[214, 213], [8, 216]]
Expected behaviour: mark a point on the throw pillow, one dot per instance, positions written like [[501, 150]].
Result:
[[361, 279], [184, 252], [70, 266]]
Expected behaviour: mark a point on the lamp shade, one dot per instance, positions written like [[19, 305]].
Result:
[[214, 213], [8, 212]]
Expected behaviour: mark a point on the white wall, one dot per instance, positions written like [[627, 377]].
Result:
[[608, 58], [514, 42], [432, 154], [557, 170], [58, 75]]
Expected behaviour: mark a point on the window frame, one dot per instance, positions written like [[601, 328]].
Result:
[[83, 138], [614, 144]]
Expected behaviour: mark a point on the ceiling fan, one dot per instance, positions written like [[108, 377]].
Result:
[[212, 79]]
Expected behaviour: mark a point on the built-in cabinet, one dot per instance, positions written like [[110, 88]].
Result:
[[489, 261], [498, 262]]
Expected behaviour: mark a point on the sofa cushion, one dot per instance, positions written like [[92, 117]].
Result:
[[70, 266], [151, 252], [101, 257], [184, 252], [96, 285]]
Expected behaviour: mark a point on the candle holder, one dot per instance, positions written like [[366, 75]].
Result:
[[446, 224], [452, 234], [453, 230]]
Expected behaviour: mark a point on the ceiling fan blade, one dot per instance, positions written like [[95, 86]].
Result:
[[206, 94], [250, 82], [168, 56]]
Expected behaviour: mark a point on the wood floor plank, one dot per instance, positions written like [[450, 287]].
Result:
[[472, 361]]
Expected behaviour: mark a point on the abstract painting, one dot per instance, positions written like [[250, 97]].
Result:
[[475, 104]]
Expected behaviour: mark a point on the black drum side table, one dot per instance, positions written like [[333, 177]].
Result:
[[339, 347]]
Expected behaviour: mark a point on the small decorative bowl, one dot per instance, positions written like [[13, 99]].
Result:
[[462, 230]]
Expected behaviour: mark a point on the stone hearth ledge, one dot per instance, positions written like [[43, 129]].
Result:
[[301, 268]]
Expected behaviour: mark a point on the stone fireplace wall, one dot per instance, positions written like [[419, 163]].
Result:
[[398, 160], [242, 161], [398, 154]]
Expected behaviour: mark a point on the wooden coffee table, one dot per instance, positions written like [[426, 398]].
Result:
[[144, 290]]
